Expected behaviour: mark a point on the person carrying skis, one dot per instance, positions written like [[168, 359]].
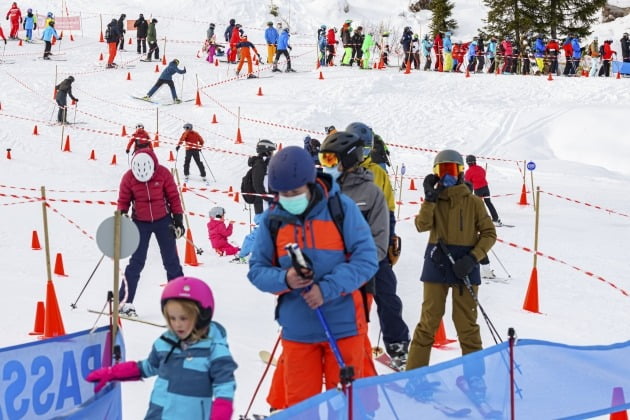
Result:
[[457, 220], [142, 27], [14, 15], [283, 49], [47, 36], [139, 139], [218, 232], [121, 30], [166, 78], [152, 40], [157, 210], [271, 38], [340, 260], [476, 176], [193, 143], [244, 48], [112, 36], [64, 89], [30, 23], [192, 359]]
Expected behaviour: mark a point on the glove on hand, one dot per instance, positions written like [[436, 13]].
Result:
[[5, 42], [464, 266], [430, 191], [393, 251], [177, 148], [127, 151], [178, 225], [222, 409], [126, 371]]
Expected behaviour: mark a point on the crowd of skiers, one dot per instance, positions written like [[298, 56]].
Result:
[[536, 55]]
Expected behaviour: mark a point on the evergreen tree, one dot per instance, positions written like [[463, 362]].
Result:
[[441, 20], [511, 17], [561, 17]]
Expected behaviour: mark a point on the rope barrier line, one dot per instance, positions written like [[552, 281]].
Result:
[[595, 206], [62, 191], [73, 223], [554, 259]]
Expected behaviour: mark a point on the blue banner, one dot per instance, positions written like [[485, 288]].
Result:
[[46, 378], [551, 380]]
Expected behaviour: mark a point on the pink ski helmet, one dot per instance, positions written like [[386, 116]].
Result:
[[193, 289]]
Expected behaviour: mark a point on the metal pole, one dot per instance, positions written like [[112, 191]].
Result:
[[534, 198], [537, 208], [46, 242], [117, 216]]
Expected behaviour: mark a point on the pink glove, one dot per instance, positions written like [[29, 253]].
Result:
[[221, 409], [127, 371]]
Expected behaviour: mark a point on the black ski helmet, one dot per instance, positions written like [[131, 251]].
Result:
[[471, 159], [347, 146], [265, 147]]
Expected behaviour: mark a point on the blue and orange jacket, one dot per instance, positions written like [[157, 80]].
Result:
[[337, 275]]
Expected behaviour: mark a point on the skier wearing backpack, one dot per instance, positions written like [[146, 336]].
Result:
[[254, 179], [388, 304], [112, 36], [340, 260]]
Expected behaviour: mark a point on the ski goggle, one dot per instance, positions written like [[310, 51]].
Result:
[[448, 168], [328, 159]]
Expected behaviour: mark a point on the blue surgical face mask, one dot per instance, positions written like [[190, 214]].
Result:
[[333, 172], [448, 180], [294, 205]]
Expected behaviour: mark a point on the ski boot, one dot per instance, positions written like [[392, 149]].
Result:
[[252, 76]]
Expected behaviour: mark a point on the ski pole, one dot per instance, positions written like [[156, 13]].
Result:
[[493, 331], [198, 250], [209, 170], [500, 263], [251, 402], [74, 305]]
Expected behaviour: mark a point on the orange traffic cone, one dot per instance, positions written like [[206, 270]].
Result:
[[375, 65], [9, 154], [412, 186], [239, 139], [216, 62], [440, 339], [259, 91], [523, 200], [53, 324], [66, 146], [230, 191], [156, 140], [128, 75], [35, 241], [20, 43], [157, 68], [618, 75], [408, 67], [467, 72], [550, 77], [101, 39], [113, 160], [40, 314], [531, 298], [214, 119], [163, 60], [92, 155], [59, 266], [171, 158], [35, 133], [321, 76], [129, 41], [618, 399], [236, 197], [190, 256], [71, 37], [198, 99], [124, 131], [100, 57], [317, 65]]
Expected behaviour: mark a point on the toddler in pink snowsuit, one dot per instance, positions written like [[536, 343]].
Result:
[[219, 233]]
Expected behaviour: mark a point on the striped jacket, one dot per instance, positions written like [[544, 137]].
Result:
[[189, 377]]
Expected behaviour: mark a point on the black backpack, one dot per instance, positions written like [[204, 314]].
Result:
[[247, 186]]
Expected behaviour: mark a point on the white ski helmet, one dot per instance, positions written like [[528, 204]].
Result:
[[142, 167]]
